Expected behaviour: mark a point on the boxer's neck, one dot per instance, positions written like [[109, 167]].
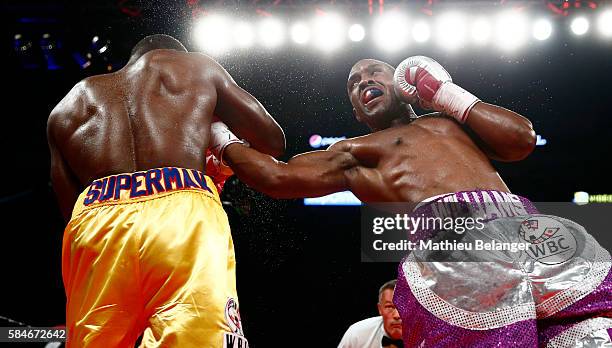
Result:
[[396, 122], [401, 121]]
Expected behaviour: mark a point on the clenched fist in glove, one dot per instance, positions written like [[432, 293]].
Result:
[[424, 81]]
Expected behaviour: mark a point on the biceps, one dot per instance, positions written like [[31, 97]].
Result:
[[315, 177], [234, 104], [246, 117], [321, 171]]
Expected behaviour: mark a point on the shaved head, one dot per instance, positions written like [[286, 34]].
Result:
[[153, 42], [370, 61]]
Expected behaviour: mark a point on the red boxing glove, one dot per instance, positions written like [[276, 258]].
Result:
[[424, 80], [217, 171]]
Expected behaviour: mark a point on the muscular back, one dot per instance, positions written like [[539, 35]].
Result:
[[155, 112]]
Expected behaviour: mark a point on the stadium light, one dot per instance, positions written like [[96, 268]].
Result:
[[210, 33], [329, 31], [580, 26], [300, 33], [243, 35], [391, 31], [271, 32], [356, 32], [511, 30], [421, 31], [451, 31], [481, 31], [542, 29], [605, 23]]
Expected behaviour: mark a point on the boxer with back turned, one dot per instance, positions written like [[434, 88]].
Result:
[[148, 247]]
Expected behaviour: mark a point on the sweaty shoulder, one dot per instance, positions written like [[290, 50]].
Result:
[[81, 102], [340, 146], [73, 103], [189, 65], [437, 123], [347, 144]]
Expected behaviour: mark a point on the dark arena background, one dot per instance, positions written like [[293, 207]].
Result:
[[300, 279]]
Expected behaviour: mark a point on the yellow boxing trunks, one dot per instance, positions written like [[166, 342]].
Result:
[[150, 253]]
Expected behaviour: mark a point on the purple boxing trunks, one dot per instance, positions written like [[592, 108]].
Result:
[[555, 292]]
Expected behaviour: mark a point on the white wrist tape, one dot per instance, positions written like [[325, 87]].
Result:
[[454, 101], [220, 138]]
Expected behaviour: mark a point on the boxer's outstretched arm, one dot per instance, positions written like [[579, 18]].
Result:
[[246, 117], [506, 135], [310, 174]]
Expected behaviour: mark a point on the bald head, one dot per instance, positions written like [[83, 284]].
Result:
[[371, 62], [154, 42]]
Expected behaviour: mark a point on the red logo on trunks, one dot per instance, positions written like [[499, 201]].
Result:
[[232, 316], [551, 243], [531, 224]]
